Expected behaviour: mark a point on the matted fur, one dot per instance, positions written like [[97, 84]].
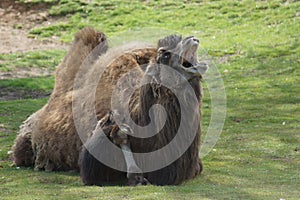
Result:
[[51, 132]]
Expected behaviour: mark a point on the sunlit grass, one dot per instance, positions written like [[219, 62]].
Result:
[[48, 59]]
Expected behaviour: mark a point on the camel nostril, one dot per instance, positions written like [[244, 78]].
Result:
[[196, 40]]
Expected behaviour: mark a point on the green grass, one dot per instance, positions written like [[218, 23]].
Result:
[[38, 83], [48, 59], [256, 48]]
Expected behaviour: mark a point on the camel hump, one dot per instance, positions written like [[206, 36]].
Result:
[[88, 45], [89, 36]]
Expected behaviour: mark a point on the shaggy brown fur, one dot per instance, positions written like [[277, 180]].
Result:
[[48, 136], [54, 140], [184, 168], [23, 148]]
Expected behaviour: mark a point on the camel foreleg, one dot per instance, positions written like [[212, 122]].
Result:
[[134, 173]]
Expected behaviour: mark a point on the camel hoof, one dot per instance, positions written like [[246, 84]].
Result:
[[137, 179]]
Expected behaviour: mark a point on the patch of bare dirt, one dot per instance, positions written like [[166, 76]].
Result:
[[25, 73], [15, 40], [16, 20], [14, 94]]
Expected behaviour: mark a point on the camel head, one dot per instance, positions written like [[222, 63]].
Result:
[[181, 55]]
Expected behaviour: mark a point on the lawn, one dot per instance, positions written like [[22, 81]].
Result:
[[256, 47]]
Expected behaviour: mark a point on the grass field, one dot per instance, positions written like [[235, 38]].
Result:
[[256, 46]]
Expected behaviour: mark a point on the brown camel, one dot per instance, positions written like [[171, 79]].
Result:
[[48, 139]]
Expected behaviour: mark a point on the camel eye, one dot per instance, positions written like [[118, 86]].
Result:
[[165, 57]]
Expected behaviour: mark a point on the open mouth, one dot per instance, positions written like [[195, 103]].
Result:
[[186, 64], [188, 57]]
